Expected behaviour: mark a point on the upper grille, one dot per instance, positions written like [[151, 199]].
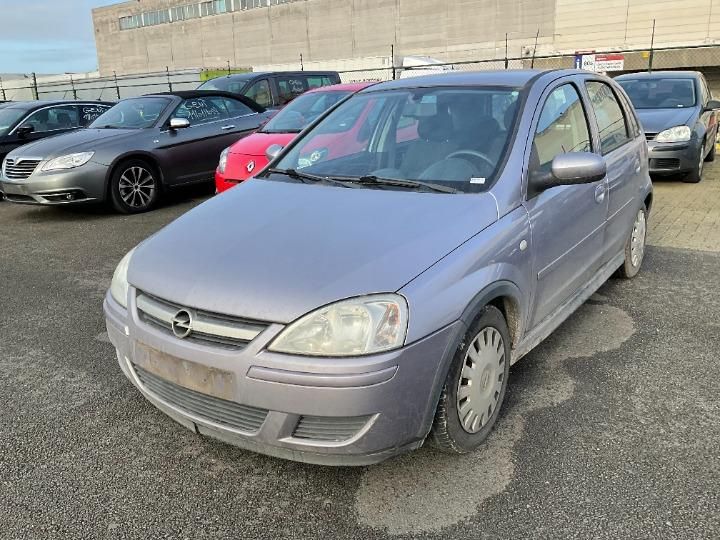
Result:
[[329, 428], [216, 410], [19, 169], [650, 136], [205, 327]]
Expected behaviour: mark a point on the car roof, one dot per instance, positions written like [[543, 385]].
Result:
[[253, 74], [344, 87], [30, 105], [660, 74], [192, 94], [512, 77]]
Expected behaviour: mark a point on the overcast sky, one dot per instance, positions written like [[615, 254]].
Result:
[[47, 36]]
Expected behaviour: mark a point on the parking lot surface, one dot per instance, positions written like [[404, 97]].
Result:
[[610, 429]]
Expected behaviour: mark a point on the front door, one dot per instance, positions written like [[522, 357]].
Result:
[[567, 222]]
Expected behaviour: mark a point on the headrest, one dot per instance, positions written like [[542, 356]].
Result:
[[435, 128]]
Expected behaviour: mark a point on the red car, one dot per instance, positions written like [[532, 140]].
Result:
[[247, 157]]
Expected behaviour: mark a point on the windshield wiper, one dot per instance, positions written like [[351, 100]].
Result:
[[280, 131], [308, 178], [373, 180]]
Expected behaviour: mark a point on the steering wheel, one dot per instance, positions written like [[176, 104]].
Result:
[[473, 153]]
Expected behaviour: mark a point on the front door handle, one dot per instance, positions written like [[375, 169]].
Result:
[[600, 193], [225, 128]]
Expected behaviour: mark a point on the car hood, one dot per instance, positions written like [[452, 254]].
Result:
[[657, 120], [82, 140], [273, 251], [257, 143]]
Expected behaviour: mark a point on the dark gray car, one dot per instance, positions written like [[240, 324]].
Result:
[[369, 290], [679, 118], [131, 153]]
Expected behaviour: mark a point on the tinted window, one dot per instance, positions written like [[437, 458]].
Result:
[[302, 111], [89, 113], [660, 93], [202, 110], [259, 92], [562, 127], [226, 84], [609, 115], [53, 119], [134, 113], [8, 117], [316, 81], [289, 88]]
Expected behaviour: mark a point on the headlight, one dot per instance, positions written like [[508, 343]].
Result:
[[68, 162], [119, 285], [364, 325], [674, 134], [223, 160]]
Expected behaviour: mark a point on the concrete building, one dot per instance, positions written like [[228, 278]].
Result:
[[149, 35]]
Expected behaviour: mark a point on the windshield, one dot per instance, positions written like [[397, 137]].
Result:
[[8, 117], [302, 111], [134, 113], [454, 137], [660, 93]]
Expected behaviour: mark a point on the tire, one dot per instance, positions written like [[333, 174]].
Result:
[[695, 175], [711, 154], [134, 187], [455, 430], [635, 246]]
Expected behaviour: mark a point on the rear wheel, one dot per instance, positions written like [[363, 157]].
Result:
[[475, 386], [635, 246], [134, 187]]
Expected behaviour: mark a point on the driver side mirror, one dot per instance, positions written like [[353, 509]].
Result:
[[712, 105], [569, 169], [25, 130], [179, 123], [273, 151]]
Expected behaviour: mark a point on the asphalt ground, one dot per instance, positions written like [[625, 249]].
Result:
[[610, 428]]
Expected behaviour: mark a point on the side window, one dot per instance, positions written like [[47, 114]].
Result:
[[610, 118], [704, 90], [88, 113], [202, 110], [236, 108], [289, 88], [259, 92], [633, 124], [316, 81], [54, 119], [562, 127]]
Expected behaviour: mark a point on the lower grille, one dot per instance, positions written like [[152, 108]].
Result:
[[19, 169], [216, 410], [664, 163], [329, 428]]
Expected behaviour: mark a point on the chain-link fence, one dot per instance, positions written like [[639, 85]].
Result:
[[30, 87]]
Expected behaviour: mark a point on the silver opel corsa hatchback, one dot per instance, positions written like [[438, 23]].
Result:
[[371, 288]]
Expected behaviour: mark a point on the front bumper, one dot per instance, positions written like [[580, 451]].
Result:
[[671, 158], [388, 398], [82, 184]]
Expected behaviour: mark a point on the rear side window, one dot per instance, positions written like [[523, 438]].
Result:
[[88, 113], [289, 88], [259, 92], [609, 115], [202, 110], [562, 127], [316, 81], [237, 108]]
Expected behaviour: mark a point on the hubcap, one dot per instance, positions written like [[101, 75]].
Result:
[[137, 187], [481, 380], [637, 239]]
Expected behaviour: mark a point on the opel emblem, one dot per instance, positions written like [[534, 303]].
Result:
[[182, 324], [315, 156], [250, 166]]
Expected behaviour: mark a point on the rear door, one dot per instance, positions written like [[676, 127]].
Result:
[[625, 152], [567, 222], [288, 87]]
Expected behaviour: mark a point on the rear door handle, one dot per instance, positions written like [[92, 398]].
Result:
[[225, 128], [600, 193]]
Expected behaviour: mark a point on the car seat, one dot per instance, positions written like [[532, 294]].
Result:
[[432, 145]]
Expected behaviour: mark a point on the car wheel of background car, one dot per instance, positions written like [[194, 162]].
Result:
[[134, 187], [711, 153], [635, 246], [475, 386], [694, 176]]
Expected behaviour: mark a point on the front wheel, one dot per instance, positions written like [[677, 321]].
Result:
[[134, 187], [635, 246], [711, 154], [695, 175], [475, 386]]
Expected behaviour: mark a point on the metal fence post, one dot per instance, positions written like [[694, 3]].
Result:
[[228, 63], [72, 85], [506, 50], [35, 87], [392, 60], [652, 52], [2, 90], [302, 67], [532, 61], [167, 71], [117, 87]]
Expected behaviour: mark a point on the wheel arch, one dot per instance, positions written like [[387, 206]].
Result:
[[142, 156], [505, 296]]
